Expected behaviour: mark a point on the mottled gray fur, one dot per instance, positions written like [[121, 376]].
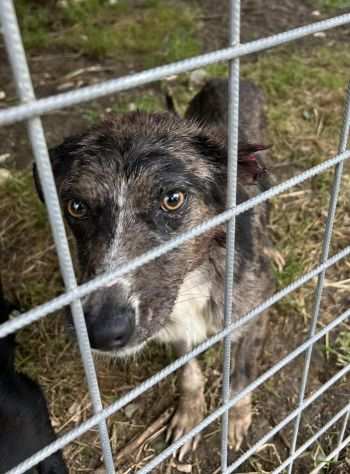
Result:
[[121, 171]]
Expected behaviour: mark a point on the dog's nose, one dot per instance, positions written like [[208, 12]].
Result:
[[112, 329]]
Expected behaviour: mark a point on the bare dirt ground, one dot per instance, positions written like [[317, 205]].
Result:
[[29, 270]]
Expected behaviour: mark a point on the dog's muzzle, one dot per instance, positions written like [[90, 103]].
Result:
[[110, 327]]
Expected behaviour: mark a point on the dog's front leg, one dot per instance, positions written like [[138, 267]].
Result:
[[191, 406]]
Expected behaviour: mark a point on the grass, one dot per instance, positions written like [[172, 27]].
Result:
[[152, 32], [340, 348], [331, 5], [29, 224]]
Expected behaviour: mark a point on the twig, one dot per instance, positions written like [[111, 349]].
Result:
[[141, 439]]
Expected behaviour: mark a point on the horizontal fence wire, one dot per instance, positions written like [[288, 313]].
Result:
[[288, 419], [66, 99], [259, 381], [311, 440], [159, 376], [343, 430], [332, 455], [35, 107], [110, 277]]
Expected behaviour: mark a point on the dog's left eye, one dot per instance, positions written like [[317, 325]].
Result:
[[77, 209], [173, 201]]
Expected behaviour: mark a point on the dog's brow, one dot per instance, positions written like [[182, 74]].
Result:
[[153, 163]]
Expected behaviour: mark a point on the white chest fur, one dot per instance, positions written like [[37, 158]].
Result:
[[190, 319]]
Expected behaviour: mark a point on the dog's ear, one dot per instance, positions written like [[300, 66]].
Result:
[[250, 166], [61, 158]]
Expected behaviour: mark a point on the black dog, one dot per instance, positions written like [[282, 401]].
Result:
[[24, 419]]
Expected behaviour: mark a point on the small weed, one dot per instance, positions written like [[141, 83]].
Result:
[[342, 348], [27, 222], [217, 70], [35, 23], [19, 190], [91, 116], [147, 103], [290, 272]]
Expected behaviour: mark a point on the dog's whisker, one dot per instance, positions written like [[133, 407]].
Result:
[[194, 298]]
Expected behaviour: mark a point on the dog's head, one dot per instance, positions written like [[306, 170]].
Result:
[[125, 187]]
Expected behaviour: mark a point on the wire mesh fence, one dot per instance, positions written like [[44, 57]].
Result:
[[31, 109]]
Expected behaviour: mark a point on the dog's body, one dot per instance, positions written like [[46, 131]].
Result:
[[25, 426], [134, 183]]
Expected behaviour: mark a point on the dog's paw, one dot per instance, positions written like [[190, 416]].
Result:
[[240, 419], [189, 413]]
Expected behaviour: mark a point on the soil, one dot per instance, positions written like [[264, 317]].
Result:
[[277, 397]]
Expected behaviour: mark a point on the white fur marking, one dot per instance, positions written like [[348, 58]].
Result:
[[115, 257], [189, 319]]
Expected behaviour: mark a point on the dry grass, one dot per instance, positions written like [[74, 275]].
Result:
[[305, 98]]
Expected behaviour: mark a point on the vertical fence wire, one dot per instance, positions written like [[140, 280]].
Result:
[[344, 136], [20, 70], [232, 139], [344, 139]]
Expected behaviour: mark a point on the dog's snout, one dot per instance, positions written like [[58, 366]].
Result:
[[112, 328]]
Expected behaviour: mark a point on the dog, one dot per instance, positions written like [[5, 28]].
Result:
[[138, 180], [24, 418]]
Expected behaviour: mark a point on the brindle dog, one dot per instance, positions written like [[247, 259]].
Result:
[[138, 180]]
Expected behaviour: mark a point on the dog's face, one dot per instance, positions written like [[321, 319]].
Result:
[[125, 187]]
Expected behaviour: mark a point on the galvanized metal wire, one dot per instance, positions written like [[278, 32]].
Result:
[[342, 432], [305, 403], [31, 108], [88, 93], [332, 456], [344, 136], [232, 133], [311, 440]]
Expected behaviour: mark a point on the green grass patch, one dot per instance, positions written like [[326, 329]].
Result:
[[290, 68], [292, 270], [28, 261], [146, 101], [305, 94], [342, 348], [20, 191], [152, 33], [331, 5]]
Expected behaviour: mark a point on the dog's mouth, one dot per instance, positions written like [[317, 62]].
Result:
[[140, 337], [122, 353]]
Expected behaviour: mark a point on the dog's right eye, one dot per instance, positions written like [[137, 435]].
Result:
[[76, 208], [173, 201]]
